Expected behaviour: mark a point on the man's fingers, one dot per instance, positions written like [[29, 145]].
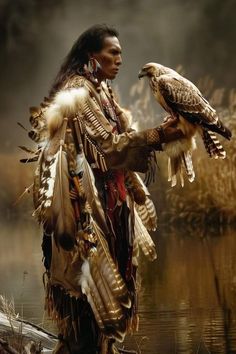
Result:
[[170, 122], [173, 120], [167, 118]]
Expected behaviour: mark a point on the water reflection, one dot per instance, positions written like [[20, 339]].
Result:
[[187, 298], [21, 267]]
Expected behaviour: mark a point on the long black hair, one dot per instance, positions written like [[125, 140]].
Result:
[[90, 41]]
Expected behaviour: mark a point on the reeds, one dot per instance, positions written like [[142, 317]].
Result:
[[18, 336], [13, 338]]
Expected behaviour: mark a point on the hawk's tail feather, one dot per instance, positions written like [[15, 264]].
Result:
[[212, 145], [220, 128], [225, 132]]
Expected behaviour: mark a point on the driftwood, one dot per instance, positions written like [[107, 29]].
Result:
[[34, 339], [30, 335]]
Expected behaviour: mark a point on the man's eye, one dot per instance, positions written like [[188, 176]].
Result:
[[115, 52]]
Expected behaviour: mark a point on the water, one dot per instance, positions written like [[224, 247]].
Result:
[[187, 298]]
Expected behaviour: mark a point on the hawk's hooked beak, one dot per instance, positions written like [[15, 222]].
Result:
[[142, 74]]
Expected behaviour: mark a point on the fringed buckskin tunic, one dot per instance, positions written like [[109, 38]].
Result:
[[96, 213]]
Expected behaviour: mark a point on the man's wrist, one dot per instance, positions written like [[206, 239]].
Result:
[[162, 136], [155, 136]]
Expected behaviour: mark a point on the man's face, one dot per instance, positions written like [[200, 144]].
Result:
[[109, 58]]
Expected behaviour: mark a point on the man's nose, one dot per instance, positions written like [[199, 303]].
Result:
[[119, 60]]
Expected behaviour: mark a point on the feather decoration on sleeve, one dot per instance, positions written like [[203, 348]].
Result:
[[44, 181], [53, 204], [63, 217], [105, 289], [144, 239], [52, 199]]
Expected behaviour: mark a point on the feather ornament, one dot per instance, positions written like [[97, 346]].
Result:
[[105, 289], [147, 213], [88, 183], [63, 217], [39, 133], [89, 288], [108, 313], [29, 159], [44, 181], [37, 120], [36, 184], [143, 204], [144, 239], [52, 199], [133, 185], [142, 184], [135, 253], [110, 269], [28, 150]]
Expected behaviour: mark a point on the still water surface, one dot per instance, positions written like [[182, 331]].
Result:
[[187, 298]]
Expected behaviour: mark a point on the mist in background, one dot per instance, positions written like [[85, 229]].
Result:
[[35, 36]]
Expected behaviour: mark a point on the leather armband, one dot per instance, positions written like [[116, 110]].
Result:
[[155, 136]]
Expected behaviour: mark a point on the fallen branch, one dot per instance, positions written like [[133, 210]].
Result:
[[26, 329]]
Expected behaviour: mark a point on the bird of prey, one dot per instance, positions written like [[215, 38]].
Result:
[[183, 100]]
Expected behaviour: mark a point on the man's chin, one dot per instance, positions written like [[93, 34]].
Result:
[[112, 76]]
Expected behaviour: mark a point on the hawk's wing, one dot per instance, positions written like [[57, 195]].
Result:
[[184, 98]]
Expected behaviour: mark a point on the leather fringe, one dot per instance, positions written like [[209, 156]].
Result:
[[66, 310]]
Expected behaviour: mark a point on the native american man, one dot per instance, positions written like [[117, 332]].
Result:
[[93, 205]]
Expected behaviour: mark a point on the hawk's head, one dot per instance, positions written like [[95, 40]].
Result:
[[153, 69]]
